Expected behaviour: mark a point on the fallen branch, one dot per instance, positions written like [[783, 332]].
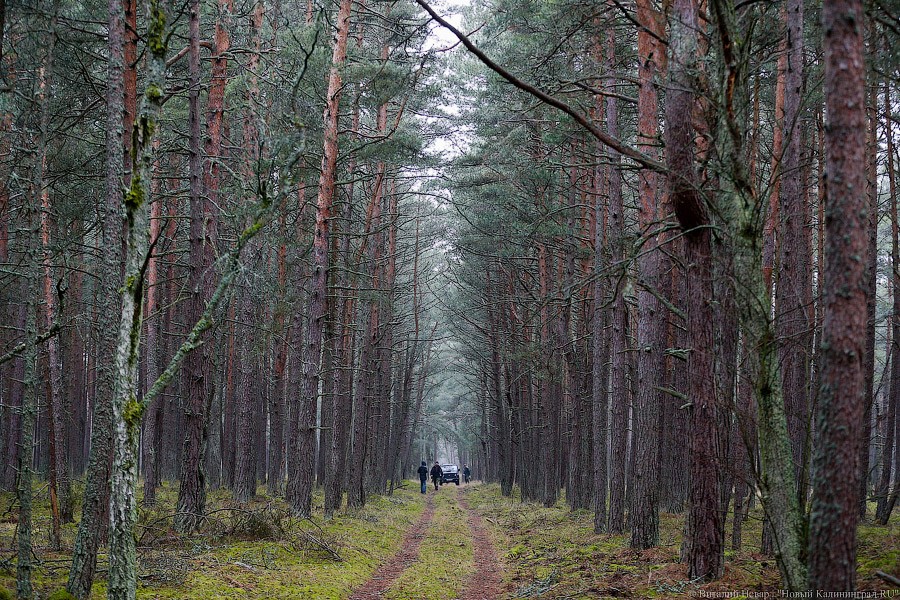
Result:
[[887, 577]]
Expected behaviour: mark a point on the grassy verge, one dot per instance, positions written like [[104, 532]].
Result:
[[254, 552], [445, 557], [554, 553]]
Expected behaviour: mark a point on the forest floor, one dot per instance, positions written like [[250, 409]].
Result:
[[465, 543]]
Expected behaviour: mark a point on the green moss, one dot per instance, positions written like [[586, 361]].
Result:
[[60, 595], [133, 413], [156, 38], [286, 568], [134, 197], [153, 92], [5, 594], [547, 552]]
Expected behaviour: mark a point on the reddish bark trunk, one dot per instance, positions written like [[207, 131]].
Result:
[[204, 239], [871, 293], [792, 318], [150, 438], [301, 477], [652, 318], [705, 523], [192, 489], [130, 78], [834, 511]]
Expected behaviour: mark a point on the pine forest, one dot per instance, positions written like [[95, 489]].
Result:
[[449, 299]]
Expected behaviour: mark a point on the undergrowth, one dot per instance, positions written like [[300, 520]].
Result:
[[253, 551], [554, 553]]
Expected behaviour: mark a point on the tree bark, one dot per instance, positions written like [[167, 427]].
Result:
[[652, 318], [706, 521], [197, 374], [150, 437], [204, 240], [96, 495], [834, 508], [301, 477], [792, 318], [884, 506], [127, 410]]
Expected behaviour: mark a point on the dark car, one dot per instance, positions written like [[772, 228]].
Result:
[[451, 473]]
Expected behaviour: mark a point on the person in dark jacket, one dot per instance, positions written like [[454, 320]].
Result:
[[436, 474], [423, 476], [466, 473]]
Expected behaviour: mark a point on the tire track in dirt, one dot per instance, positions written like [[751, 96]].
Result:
[[486, 582], [387, 573]]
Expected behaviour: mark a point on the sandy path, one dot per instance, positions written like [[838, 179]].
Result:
[[487, 581], [387, 573]]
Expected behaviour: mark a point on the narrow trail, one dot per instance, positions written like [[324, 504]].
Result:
[[387, 573], [485, 582]]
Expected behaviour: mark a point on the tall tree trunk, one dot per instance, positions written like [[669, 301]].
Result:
[[127, 410], [36, 224], [599, 345], [743, 446], [96, 504], [203, 242], [301, 477], [29, 410], [705, 522], [884, 506], [197, 376], [60, 486], [341, 383], [275, 474], [150, 437], [770, 249], [792, 319], [652, 318], [245, 476], [871, 289], [834, 511], [244, 485], [618, 315]]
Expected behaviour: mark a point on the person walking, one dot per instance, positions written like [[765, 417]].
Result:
[[436, 474], [466, 473], [423, 476]]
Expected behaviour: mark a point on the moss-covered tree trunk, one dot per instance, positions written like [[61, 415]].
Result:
[[741, 206], [127, 410]]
